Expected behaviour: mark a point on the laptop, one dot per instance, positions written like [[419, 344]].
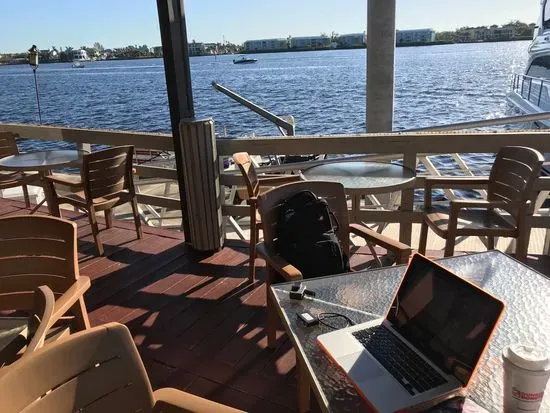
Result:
[[427, 347]]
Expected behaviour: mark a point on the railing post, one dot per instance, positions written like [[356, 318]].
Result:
[[540, 91], [529, 90], [407, 200], [522, 84]]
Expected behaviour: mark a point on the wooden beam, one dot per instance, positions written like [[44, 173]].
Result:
[[383, 143], [95, 136], [173, 33]]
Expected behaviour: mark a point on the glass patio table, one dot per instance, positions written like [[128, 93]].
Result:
[[43, 162], [363, 178], [363, 296]]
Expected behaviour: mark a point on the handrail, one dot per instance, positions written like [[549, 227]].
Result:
[[288, 127], [484, 123]]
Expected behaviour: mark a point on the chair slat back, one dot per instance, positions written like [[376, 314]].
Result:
[[333, 192], [34, 251], [94, 371], [108, 171], [513, 176], [245, 165], [8, 145]]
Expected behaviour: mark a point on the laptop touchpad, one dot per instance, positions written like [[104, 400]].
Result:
[[360, 366]]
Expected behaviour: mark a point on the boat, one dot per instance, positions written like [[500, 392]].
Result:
[[78, 65], [244, 60], [530, 91]]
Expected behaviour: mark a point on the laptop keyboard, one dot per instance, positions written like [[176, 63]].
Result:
[[414, 374]]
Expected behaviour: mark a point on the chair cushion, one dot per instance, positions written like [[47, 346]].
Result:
[[469, 220]]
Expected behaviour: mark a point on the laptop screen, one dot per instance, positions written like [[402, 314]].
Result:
[[443, 316]]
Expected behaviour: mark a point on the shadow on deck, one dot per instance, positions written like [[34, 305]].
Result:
[[197, 322]]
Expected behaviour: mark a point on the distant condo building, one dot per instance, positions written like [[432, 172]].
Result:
[[352, 39], [265, 45], [415, 36], [309, 42], [196, 49]]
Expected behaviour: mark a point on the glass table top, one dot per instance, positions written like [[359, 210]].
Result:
[[36, 161], [363, 176], [363, 296]]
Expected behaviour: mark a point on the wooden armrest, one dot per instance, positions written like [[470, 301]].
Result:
[[456, 181], [402, 251], [64, 181], [69, 298], [170, 400], [274, 180], [278, 263], [477, 203], [43, 312]]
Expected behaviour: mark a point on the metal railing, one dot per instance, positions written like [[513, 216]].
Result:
[[523, 85], [508, 120]]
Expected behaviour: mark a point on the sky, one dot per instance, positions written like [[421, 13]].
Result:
[[116, 23]]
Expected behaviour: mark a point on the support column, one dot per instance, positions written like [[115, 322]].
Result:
[[380, 65], [194, 141], [201, 177]]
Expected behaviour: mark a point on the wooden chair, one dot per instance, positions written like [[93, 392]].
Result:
[[510, 188], [8, 147], [333, 193], [42, 250], [21, 336], [253, 185], [94, 371], [106, 181]]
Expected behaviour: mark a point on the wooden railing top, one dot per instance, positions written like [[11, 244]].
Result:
[[158, 141], [383, 143]]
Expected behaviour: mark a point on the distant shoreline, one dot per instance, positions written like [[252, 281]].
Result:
[[416, 44]]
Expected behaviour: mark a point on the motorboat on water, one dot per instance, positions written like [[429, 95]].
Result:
[[244, 60], [78, 65], [530, 91]]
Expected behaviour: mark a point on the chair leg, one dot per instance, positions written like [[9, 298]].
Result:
[[252, 247], [522, 244], [81, 321], [449, 246], [26, 196], [137, 220], [272, 317], [490, 243], [108, 218], [423, 238], [95, 230]]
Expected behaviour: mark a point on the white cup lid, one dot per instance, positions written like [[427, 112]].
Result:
[[526, 357]]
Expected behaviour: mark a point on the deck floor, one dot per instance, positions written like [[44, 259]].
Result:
[[198, 323]]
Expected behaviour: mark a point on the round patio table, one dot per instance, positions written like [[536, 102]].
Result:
[[363, 178], [43, 162]]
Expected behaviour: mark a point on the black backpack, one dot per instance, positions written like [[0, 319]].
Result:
[[305, 236]]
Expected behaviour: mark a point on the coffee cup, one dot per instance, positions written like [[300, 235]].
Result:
[[526, 373]]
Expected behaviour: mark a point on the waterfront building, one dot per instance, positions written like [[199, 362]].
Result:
[[196, 49], [309, 42], [263, 45], [352, 39], [415, 36], [157, 51], [47, 55], [80, 55]]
